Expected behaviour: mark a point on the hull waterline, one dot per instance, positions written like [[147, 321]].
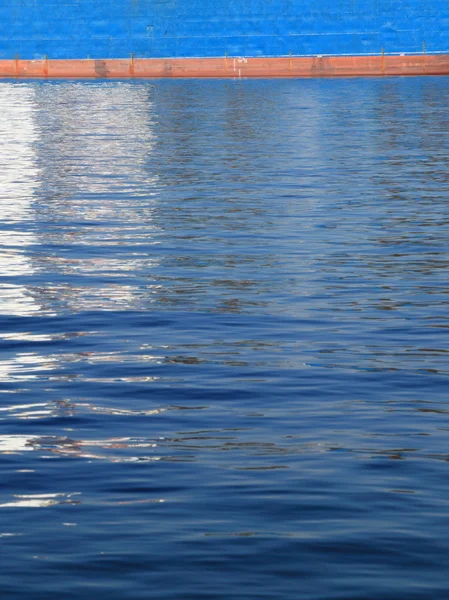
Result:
[[229, 67]]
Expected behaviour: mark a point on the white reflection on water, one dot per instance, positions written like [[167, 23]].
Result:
[[39, 500], [95, 189], [19, 180], [123, 449], [66, 408], [74, 156], [19, 173], [100, 137], [26, 366], [16, 443]]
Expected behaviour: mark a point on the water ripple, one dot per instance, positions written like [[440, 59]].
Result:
[[223, 339]]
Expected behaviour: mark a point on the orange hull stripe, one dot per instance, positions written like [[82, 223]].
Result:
[[326, 66]]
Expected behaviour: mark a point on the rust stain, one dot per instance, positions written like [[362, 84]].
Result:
[[168, 68], [101, 68], [288, 66]]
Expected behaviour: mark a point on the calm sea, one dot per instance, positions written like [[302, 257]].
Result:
[[224, 337]]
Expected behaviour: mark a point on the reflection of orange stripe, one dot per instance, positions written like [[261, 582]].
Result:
[[320, 66]]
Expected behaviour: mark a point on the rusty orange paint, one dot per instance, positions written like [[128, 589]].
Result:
[[288, 67]]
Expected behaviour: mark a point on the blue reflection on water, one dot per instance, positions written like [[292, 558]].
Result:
[[223, 328]]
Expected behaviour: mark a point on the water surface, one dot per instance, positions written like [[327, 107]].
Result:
[[224, 340]]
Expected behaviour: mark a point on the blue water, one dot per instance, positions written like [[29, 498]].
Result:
[[224, 340]]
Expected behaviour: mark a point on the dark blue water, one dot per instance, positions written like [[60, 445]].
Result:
[[224, 340]]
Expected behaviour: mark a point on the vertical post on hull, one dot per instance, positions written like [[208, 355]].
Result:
[[131, 65], [290, 62], [382, 62], [17, 65]]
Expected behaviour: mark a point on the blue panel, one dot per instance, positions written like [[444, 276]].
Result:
[[187, 28]]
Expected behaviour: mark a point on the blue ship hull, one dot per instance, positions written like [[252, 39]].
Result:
[[79, 29]]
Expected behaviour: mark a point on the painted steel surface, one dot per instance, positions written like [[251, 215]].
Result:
[[339, 66], [79, 29]]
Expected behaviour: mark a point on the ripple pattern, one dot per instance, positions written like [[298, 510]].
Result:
[[224, 340]]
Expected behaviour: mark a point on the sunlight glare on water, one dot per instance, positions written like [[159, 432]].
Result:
[[224, 340]]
